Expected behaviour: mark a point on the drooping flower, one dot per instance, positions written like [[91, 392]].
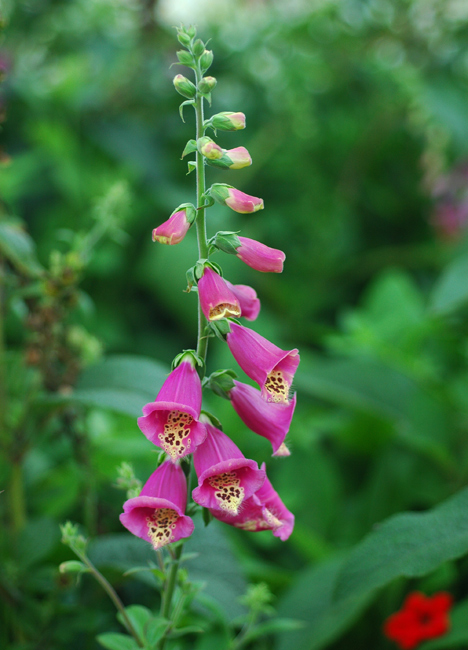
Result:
[[171, 421], [175, 228], [421, 618], [235, 199], [270, 420], [264, 510], [272, 368], [157, 514], [217, 300], [260, 257], [228, 121], [247, 297], [225, 477]]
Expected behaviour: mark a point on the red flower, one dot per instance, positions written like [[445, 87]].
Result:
[[421, 618]]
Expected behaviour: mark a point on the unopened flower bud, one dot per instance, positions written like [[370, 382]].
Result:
[[232, 159], [235, 199], [228, 121], [198, 47], [184, 86], [175, 228], [183, 37], [207, 84], [208, 148], [185, 58], [206, 59], [192, 31]]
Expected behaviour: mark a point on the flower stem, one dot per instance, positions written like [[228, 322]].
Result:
[[201, 218]]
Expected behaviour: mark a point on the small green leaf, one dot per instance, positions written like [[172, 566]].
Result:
[[155, 630], [139, 617], [451, 290], [73, 566], [190, 147], [191, 167], [409, 545], [182, 631], [188, 102], [113, 641], [18, 248]]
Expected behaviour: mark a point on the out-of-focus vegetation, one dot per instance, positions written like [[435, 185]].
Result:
[[358, 129]]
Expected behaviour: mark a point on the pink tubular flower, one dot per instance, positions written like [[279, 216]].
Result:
[[235, 199], [175, 228], [171, 421], [225, 476], [270, 420], [239, 157], [247, 297], [157, 515], [264, 510], [272, 368], [217, 300], [260, 257]]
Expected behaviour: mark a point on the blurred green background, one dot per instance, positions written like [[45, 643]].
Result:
[[357, 124]]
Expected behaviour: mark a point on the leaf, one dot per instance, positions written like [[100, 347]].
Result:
[[18, 247], [457, 637], [155, 630], [139, 617], [408, 544], [182, 631], [191, 165], [121, 383], [311, 600], [113, 641], [41, 538], [122, 551], [189, 102], [451, 289], [272, 627], [190, 147]]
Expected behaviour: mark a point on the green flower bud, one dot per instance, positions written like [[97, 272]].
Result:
[[207, 84], [206, 60], [221, 382], [208, 148], [192, 31], [198, 47], [186, 58], [183, 37], [226, 241], [228, 121], [184, 86]]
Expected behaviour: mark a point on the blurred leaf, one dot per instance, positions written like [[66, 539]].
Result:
[[457, 637], [408, 544], [155, 629], [18, 247], [113, 641], [182, 631], [139, 617], [451, 289], [272, 627], [40, 538], [310, 600]]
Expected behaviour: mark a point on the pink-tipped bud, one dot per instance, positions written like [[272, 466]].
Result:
[[228, 121], [260, 257], [208, 148], [175, 228], [239, 158], [184, 86], [207, 84], [235, 199]]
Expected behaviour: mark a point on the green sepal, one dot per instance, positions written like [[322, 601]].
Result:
[[190, 211], [207, 197], [222, 163], [188, 102], [185, 58], [212, 418], [218, 192], [226, 241], [221, 382], [220, 328], [190, 147], [191, 165], [207, 517], [191, 281], [194, 358]]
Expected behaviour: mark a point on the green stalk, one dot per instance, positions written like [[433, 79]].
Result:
[[202, 341]]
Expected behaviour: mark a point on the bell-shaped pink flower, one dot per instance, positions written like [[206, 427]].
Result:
[[247, 297], [260, 257], [269, 419], [272, 368], [225, 476], [217, 300], [235, 199], [262, 511], [239, 157], [175, 228], [157, 514], [171, 421]]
